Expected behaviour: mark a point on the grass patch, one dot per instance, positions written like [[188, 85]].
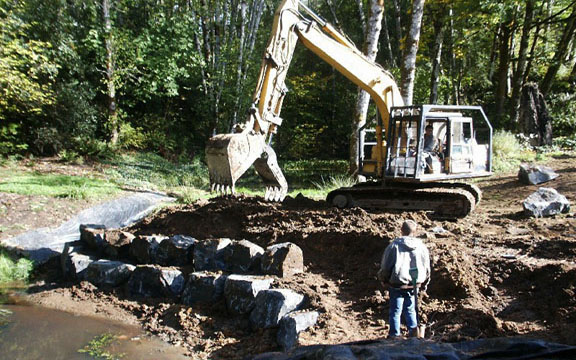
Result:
[[13, 269], [147, 171], [63, 186]]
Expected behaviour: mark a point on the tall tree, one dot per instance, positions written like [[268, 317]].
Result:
[[112, 123], [519, 74], [408, 66], [561, 50], [373, 29], [439, 26]]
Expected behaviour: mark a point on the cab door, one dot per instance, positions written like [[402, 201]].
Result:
[[461, 156]]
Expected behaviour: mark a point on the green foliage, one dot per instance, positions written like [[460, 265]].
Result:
[[509, 152], [131, 138], [71, 157], [566, 142], [97, 347], [10, 142], [562, 106], [13, 269]]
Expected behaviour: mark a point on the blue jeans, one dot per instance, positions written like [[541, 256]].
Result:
[[402, 299]]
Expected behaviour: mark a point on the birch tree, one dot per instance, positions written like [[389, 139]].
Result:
[[113, 126], [373, 29], [408, 66]]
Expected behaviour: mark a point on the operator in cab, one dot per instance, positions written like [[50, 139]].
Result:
[[429, 147]]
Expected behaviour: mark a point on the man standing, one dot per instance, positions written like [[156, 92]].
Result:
[[402, 257]]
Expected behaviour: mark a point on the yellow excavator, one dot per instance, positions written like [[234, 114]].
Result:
[[411, 157]]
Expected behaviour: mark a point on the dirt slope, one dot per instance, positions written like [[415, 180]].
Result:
[[495, 273]]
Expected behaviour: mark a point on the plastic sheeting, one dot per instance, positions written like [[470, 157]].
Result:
[[415, 349], [42, 244]]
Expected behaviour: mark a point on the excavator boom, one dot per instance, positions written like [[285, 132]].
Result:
[[230, 155]]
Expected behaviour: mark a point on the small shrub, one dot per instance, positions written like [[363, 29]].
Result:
[[70, 157], [131, 137], [12, 269], [335, 182], [509, 151]]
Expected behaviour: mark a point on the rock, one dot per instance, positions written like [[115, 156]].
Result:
[[291, 325], [535, 174], [546, 202], [144, 248], [106, 272], [283, 260], [209, 254], [92, 236], [340, 352], [177, 250], [243, 257], [203, 287], [74, 263], [240, 292], [271, 305], [155, 282], [117, 243]]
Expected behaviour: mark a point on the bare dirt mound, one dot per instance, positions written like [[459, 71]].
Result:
[[495, 273]]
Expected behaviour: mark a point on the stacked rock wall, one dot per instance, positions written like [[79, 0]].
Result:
[[189, 271]]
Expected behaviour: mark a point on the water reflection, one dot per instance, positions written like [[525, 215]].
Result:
[[31, 332]]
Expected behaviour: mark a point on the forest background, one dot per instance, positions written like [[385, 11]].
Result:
[[164, 75]]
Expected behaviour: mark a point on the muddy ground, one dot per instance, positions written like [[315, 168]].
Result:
[[495, 273]]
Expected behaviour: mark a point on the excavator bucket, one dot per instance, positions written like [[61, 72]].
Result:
[[230, 155]]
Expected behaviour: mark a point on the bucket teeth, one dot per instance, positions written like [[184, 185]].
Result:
[[230, 155]]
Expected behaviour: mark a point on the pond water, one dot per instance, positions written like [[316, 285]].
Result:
[[32, 332]]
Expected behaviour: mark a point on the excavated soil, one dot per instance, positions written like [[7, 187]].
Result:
[[495, 273]]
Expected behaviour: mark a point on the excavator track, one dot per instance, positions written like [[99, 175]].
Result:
[[446, 200]]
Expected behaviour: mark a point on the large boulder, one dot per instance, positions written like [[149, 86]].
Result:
[[292, 325], [176, 250], [117, 244], [243, 257], [74, 263], [155, 282], [271, 305], [106, 272], [240, 292], [209, 255], [546, 202], [203, 287], [535, 174], [283, 260], [144, 248]]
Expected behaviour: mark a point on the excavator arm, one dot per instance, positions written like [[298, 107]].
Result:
[[230, 155]]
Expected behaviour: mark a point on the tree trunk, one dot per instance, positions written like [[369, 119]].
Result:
[[436, 62], [387, 45], [113, 126], [453, 76], [360, 4], [518, 78], [502, 74], [560, 53], [398, 26], [374, 27], [408, 66], [534, 117]]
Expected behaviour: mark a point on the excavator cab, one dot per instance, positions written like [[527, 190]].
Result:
[[434, 143]]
